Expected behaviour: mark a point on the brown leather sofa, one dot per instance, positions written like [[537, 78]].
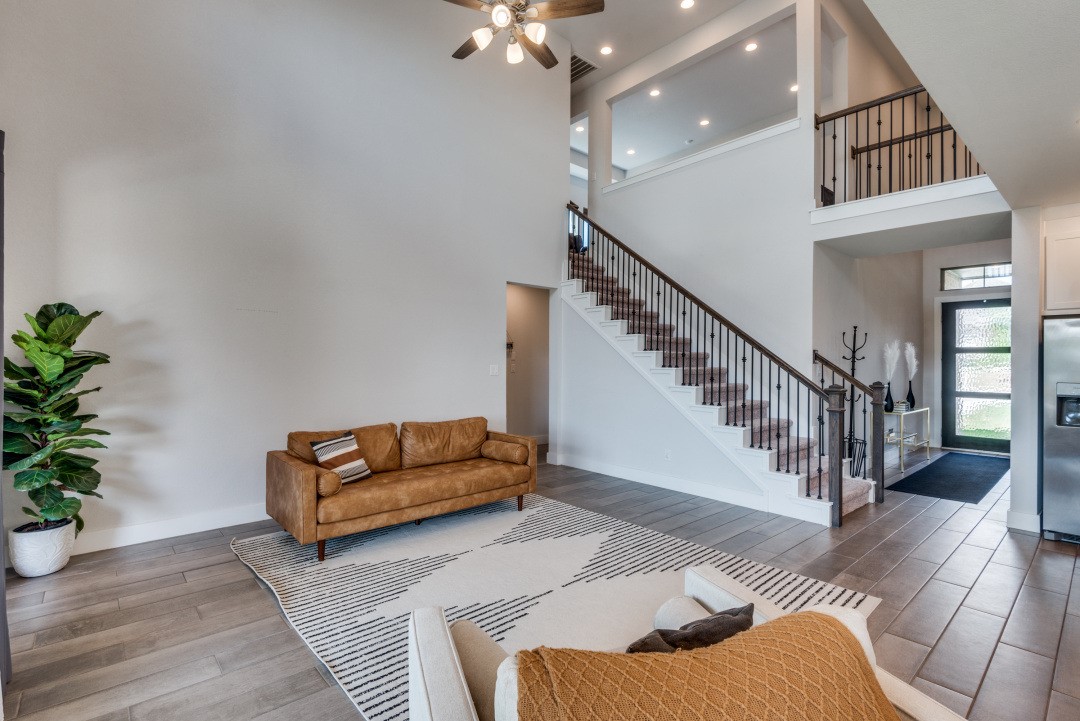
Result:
[[431, 469]]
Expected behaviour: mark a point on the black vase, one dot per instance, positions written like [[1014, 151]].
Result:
[[910, 396], [889, 405]]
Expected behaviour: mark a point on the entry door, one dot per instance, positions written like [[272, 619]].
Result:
[[976, 372]]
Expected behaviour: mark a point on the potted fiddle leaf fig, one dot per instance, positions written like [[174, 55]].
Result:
[[42, 429]]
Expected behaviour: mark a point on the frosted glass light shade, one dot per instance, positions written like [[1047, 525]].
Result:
[[514, 53], [483, 37], [501, 15], [536, 32]]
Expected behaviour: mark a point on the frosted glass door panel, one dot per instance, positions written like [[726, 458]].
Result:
[[984, 372], [984, 327], [984, 418]]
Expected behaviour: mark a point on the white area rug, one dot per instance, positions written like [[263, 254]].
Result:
[[554, 574]]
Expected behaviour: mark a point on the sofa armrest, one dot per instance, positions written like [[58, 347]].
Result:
[[526, 441], [437, 687], [292, 494], [912, 701], [716, 591]]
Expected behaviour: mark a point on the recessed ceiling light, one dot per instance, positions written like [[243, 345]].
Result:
[[704, 122], [654, 92], [606, 50], [631, 151], [686, 4], [751, 47], [580, 128], [795, 88]]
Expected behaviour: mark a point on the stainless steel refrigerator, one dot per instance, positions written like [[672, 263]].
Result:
[[1061, 427]]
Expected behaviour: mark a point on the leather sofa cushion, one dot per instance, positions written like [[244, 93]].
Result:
[[299, 443], [425, 444], [415, 486], [505, 452], [378, 445]]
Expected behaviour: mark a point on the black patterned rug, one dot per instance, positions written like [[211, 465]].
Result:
[[554, 574]]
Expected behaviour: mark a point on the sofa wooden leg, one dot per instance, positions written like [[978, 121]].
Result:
[[418, 520], [521, 503], [322, 551]]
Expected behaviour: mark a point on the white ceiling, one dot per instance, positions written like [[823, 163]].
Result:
[[733, 89], [1007, 76], [633, 29]]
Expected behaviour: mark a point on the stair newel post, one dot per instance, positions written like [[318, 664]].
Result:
[[837, 408], [877, 444]]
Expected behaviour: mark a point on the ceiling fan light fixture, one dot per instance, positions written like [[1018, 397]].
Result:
[[501, 15], [514, 53], [532, 13], [483, 36], [536, 32]]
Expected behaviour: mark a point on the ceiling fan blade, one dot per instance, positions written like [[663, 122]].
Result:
[[467, 48], [474, 4], [541, 52], [555, 9]]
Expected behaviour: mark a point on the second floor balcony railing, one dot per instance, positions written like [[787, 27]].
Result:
[[897, 142]]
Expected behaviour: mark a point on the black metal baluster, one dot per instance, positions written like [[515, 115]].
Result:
[[844, 154], [743, 424], [869, 165], [929, 146], [879, 150]]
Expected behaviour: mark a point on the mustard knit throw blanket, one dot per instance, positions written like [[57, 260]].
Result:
[[803, 667]]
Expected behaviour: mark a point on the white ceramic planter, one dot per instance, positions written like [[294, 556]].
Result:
[[39, 553]]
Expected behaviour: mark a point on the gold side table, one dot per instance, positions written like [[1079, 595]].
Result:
[[904, 440]]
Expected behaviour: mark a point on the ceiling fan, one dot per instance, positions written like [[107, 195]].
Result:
[[522, 19]]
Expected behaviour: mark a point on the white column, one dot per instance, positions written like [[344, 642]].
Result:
[[599, 151], [808, 64], [1024, 508]]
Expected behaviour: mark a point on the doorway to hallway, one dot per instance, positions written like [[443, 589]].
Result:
[[527, 361], [976, 372]]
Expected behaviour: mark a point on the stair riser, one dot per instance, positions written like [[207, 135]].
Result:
[[667, 344], [606, 292], [627, 314], [696, 375], [675, 360], [601, 285], [645, 327]]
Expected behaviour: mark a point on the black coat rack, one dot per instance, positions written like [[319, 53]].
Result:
[[854, 349]]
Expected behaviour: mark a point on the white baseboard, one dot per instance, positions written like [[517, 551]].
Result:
[[671, 483], [1030, 522], [98, 540]]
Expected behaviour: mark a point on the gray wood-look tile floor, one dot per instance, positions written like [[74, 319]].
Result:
[[981, 618]]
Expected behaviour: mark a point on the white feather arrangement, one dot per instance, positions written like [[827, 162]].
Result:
[[892, 357], [912, 360]]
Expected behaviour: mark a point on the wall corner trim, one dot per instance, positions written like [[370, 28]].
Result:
[[1030, 522]]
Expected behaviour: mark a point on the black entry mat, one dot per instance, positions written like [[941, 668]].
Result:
[[955, 477]]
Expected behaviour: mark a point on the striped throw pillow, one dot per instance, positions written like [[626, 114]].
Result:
[[342, 455]]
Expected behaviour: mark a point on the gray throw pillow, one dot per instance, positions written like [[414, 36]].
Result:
[[697, 634]]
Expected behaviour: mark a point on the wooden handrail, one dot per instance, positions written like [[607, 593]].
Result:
[[819, 119], [818, 358], [906, 139], [704, 306]]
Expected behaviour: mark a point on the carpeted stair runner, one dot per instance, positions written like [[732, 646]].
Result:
[[735, 401]]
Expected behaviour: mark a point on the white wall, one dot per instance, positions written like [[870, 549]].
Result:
[[934, 259], [882, 295], [874, 67], [294, 215], [527, 365]]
